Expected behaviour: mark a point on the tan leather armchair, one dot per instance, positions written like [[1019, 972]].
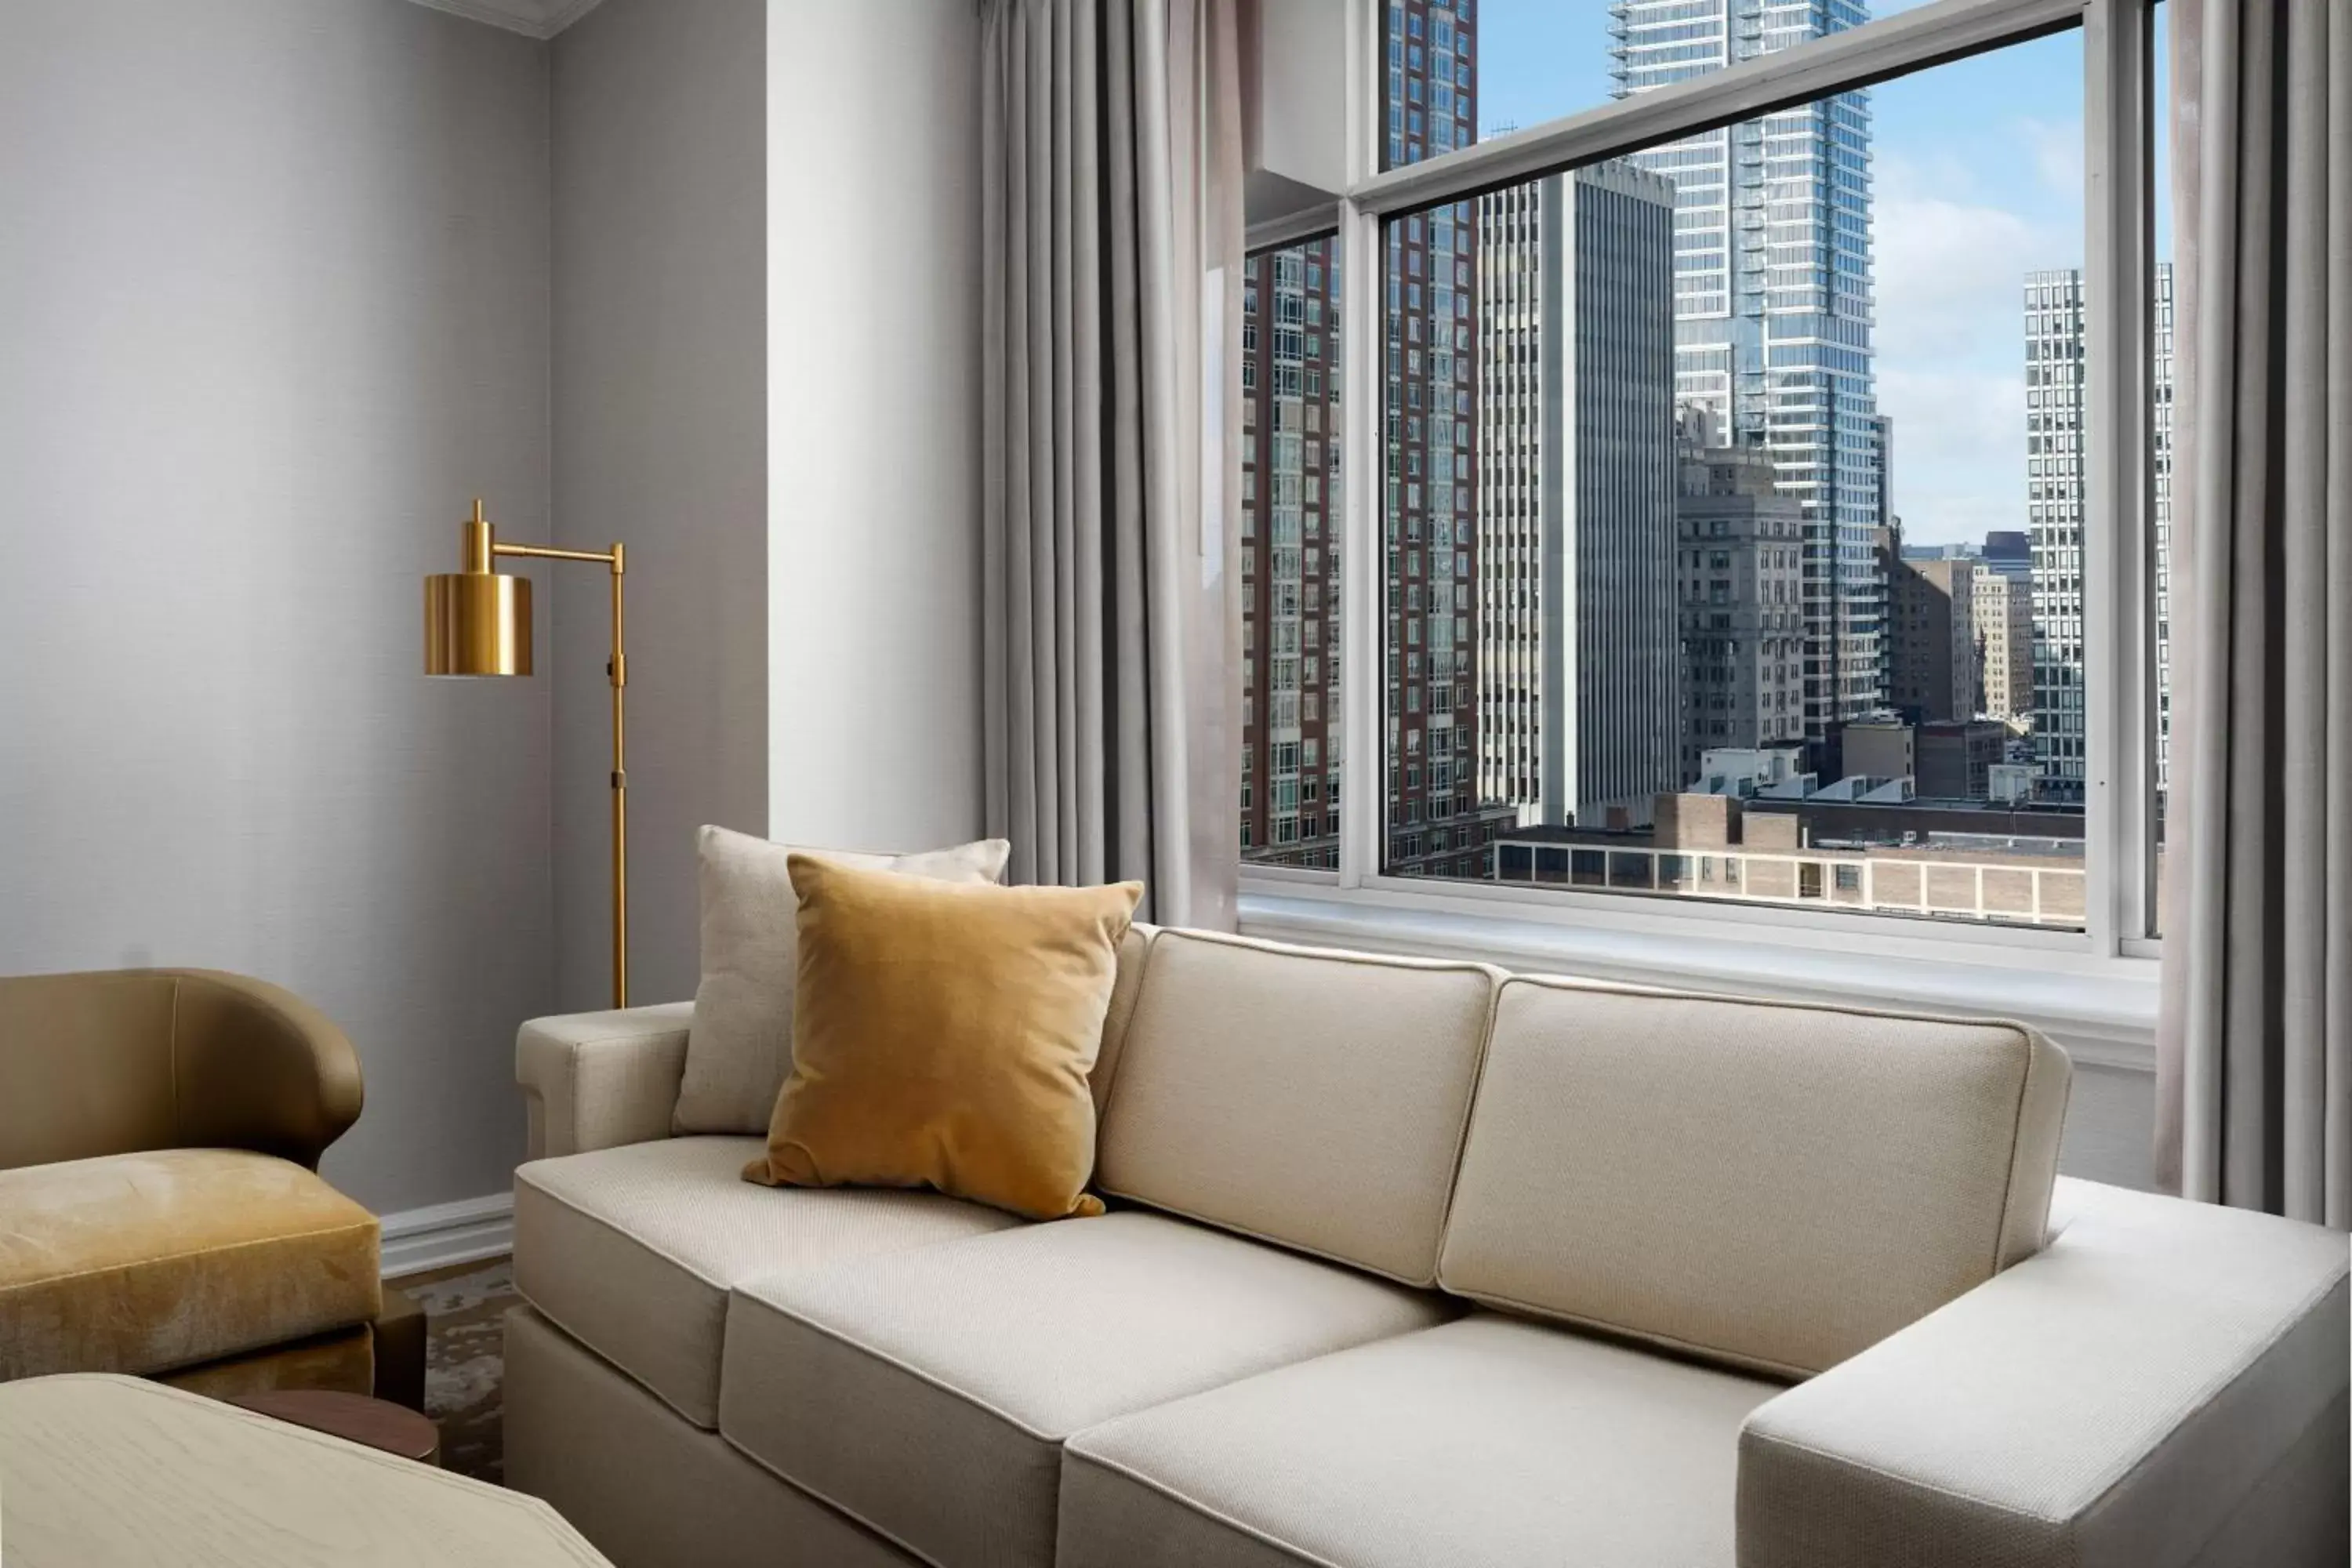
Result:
[[160, 1210]]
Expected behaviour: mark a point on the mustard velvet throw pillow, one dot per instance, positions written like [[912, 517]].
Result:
[[943, 1036], [739, 1046]]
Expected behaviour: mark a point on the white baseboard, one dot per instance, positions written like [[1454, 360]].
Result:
[[417, 1241]]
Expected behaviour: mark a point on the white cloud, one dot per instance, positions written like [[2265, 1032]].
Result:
[[2056, 147], [1959, 450], [1949, 266]]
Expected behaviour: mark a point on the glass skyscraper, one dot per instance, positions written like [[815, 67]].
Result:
[[1773, 305]]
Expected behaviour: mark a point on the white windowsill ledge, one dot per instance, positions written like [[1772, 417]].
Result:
[[2103, 1020]]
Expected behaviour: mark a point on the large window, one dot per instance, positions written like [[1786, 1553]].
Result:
[[1743, 521]]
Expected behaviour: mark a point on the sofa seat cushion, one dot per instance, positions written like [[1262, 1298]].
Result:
[[633, 1250], [927, 1393], [1491, 1440], [149, 1262]]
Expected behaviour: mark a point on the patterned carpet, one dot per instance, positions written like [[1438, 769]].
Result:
[[465, 1360]]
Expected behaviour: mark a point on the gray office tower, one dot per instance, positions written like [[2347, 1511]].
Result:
[[1773, 304], [1579, 666], [2056, 467]]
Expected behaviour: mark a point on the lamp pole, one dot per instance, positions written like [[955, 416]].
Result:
[[478, 622]]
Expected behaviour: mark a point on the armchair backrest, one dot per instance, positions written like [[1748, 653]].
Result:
[[113, 1062]]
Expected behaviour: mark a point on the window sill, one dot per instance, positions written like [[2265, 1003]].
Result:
[[2104, 1014]]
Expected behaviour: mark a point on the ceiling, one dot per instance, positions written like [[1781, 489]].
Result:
[[534, 18]]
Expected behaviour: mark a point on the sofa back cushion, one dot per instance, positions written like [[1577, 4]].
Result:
[[1134, 951], [1308, 1098], [1774, 1186]]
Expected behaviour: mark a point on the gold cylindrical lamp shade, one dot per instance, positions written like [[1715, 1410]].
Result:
[[477, 623]]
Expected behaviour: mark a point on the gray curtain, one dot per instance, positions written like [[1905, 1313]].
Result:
[[2255, 1045], [1111, 228]]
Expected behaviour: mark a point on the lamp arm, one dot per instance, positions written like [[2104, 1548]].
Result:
[[616, 670], [548, 553]]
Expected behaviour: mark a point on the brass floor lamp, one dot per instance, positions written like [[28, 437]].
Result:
[[478, 622]]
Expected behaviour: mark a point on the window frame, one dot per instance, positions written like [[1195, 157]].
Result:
[[2119, 521]]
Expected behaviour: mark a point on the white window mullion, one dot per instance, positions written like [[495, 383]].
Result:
[[2117, 711], [1357, 245], [1362, 623]]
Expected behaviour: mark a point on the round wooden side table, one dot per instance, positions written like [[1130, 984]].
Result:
[[373, 1423]]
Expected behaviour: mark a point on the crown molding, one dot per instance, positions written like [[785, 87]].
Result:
[[532, 18]]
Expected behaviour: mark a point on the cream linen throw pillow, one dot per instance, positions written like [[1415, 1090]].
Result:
[[740, 1045]]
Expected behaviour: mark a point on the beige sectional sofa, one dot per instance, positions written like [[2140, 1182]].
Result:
[[1417, 1263]]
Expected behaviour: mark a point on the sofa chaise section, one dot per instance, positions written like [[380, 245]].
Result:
[[1490, 1440], [2163, 1385]]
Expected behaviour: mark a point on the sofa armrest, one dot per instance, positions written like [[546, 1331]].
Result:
[[255, 1067], [2165, 1384], [592, 1081]]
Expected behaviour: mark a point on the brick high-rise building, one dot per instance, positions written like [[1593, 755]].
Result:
[[1291, 730], [1931, 621], [2004, 618], [1434, 820], [1742, 541]]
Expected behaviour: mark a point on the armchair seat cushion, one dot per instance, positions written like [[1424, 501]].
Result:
[[144, 1263], [1485, 1443], [632, 1250]]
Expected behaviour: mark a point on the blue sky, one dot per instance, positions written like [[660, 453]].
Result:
[[1977, 180]]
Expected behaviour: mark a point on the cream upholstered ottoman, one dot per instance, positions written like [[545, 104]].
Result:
[[103, 1471]]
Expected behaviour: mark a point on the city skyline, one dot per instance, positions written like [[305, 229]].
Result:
[[1611, 546], [1774, 306], [1977, 182]]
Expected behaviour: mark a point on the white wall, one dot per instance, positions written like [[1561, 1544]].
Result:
[[2111, 1126], [766, 373], [873, 421], [660, 366], [273, 306]]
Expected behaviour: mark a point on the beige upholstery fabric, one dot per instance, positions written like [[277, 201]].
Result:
[[1776, 1187], [1134, 951], [742, 1043], [646, 1488], [1489, 1443], [1309, 1098], [927, 1393], [2114, 1402], [632, 1250], [594, 1080]]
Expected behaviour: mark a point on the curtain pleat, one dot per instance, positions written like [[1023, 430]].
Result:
[[2255, 1041], [1106, 638]]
